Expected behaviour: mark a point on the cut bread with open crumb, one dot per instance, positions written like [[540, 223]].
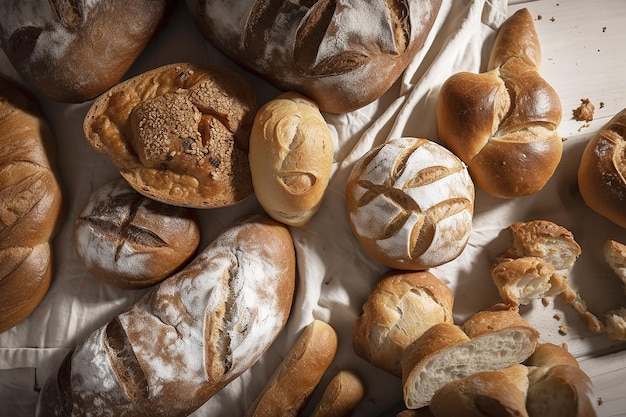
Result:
[[522, 280], [615, 256], [615, 323], [490, 340]]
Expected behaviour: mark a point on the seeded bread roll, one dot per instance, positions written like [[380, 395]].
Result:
[[343, 55], [179, 134], [503, 123], [130, 241], [398, 310], [410, 204], [196, 331], [74, 50], [31, 202], [602, 170], [291, 155]]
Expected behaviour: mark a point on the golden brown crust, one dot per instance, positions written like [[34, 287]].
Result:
[[602, 171], [506, 129], [498, 317], [342, 395], [398, 310], [179, 134], [521, 280]]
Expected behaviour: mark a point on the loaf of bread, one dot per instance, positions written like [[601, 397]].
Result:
[[398, 310], [343, 55], [31, 203], [192, 334], [503, 123], [410, 203], [602, 170], [73, 50], [179, 134], [292, 384], [291, 156], [130, 241], [489, 340], [342, 395]]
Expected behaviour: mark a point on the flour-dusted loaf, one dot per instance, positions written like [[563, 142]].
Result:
[[31, 203], [503, 123], [489, 340], [196, 331], [410, 203], [130, 241], [73, 50], [179, 133], [293, 382], [342, 54], [291, 156], [398, 310], [602, 170]]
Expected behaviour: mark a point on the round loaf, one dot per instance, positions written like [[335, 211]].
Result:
[[169, 352], [31, 204], [72, 51], [179, 134], [602, 170], [410, 203], [503, 123], [130, 241], [291, 156], [343, 55], [398, 310]]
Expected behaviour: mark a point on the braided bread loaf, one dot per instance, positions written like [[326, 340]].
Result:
[[503, 123], [30, 204]]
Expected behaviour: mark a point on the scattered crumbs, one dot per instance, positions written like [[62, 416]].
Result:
[[552, 19], [564, 346], [586, 125], [603, 29], [563, 330], [584, 111], [545, 301], [539, 17], [600, 400], [602, 104], [563, 139], [557, 316]]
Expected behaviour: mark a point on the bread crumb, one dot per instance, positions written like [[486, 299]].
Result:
[[600, 400], [585, 111], [545, 301], [539, 17], [602, 104], [552, 19], [603, 29], [563, 330], [557, 316]]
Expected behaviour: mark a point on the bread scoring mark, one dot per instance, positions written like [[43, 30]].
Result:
[[261, 19], [124, 364], [71, 13], [398, 11]]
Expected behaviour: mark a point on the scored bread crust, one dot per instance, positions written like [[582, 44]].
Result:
[[179, 133], [398, 310], [192, 334]]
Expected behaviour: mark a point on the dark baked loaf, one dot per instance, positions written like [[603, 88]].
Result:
[[343, 55], [195, 332], [30, 204], [73, 50]]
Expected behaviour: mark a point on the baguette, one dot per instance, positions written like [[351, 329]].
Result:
[[173, 349]]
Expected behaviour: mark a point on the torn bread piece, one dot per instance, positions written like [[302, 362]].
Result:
[[615, 256]]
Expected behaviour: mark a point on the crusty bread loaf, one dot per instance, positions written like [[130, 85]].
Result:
[[557, 385], [179, 133], [398, 310], [187, 338], [292, 384], [503, 123], [488, 393], [342, 395], [489, 340], [130, 241], [31, 203], [70, 50], [602, 170], [291, 156], [343, 55], [410, 203]]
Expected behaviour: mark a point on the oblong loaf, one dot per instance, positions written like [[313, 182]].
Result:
[[173, 349]]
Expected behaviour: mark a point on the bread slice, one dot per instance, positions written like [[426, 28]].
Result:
[[490, 340]]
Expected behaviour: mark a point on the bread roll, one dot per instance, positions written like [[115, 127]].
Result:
[[488, 393], [292, 384], [179, 134], [398, 310], [602, 170], [343, 55], [503, 123], [520, 281], [130, 241], [71, 50], [490, 340], [342, 395], [187, 338], [291, 156], [410, 203], [31, 203]]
